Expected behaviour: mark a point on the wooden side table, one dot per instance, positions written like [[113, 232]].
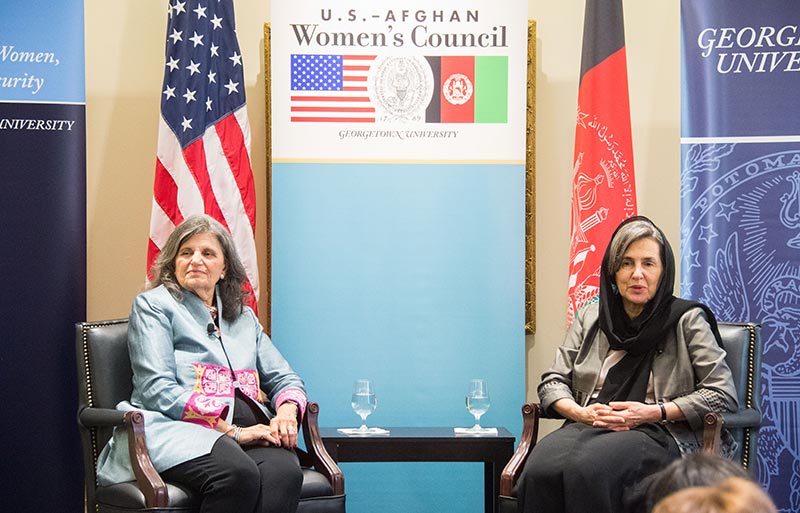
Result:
[[428, 444]]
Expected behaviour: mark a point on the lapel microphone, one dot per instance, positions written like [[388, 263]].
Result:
[[212, 330]]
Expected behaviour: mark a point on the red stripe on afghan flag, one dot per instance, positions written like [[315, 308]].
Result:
[[457, 96], [603, 186]]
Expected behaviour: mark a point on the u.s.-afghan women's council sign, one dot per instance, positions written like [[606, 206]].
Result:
[[398, 221], [385, 80]]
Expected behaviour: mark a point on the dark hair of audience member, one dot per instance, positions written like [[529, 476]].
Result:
[[696, 469], [733, 495]]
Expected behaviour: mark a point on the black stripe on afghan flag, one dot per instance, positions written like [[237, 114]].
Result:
[[603, 32], [433, 112]]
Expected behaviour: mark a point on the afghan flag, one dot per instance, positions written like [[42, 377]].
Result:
[[469, 90], [603, 184]]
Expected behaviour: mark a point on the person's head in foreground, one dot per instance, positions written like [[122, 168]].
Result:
[[733, 495]]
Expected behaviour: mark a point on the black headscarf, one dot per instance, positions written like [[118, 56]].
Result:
[[643, 336]]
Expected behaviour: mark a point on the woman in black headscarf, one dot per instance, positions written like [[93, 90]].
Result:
[[634, 377]]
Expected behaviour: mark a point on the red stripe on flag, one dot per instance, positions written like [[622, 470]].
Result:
[[195, 157], [335, 119], [152, 253], [233, 145], [329, 99], [165, 194], [333, 109], [455, 89]]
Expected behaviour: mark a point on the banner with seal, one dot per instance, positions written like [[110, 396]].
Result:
[[740, 199]]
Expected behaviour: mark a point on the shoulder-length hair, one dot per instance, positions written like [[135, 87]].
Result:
[[230, 287]]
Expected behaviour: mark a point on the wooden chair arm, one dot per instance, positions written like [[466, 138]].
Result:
[[148, 479], [712, 429], [321, 460], [531, 413]]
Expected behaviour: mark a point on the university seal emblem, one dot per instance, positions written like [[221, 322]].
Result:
[[740, 237], [401, 88]]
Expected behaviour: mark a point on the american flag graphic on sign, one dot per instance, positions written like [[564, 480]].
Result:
[[203, 155], [331, 88]]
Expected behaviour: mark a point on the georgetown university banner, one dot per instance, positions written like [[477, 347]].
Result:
[[398, 211], [43, 256], [740, 186]]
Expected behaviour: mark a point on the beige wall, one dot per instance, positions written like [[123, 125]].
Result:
[[124, 67]]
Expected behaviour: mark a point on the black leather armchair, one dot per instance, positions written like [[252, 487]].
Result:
[[104, 377], [742, 343]]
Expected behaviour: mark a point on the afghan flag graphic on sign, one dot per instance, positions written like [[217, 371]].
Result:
[[469, 90], [372, 89], [603, 185]]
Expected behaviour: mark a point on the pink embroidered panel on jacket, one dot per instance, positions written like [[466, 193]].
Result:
[[248, 383], [212, 381]]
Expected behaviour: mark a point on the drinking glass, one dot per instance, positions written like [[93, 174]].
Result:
[[363, 400], [477, 401]]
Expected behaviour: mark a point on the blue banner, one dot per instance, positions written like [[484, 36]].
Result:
[[43, 212], [740, 199]]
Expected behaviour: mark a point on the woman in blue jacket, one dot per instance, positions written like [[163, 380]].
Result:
[[203, 370]]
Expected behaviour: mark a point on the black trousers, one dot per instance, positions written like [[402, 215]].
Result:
[[579, 468], [236, 479]]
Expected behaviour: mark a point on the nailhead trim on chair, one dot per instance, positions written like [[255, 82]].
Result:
[[85, 327], [749, 401]]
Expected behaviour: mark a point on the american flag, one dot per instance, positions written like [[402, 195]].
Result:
[[330, 88], [203, 157]]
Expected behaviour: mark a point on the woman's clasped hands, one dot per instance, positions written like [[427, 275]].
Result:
[[620, 415], [281, 431]]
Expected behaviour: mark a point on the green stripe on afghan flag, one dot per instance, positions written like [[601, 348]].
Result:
[[487, 100], [491, 89]]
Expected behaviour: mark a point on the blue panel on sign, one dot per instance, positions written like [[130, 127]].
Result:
[[412, 276]]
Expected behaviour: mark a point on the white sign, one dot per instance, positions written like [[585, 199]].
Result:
[[387, 81]]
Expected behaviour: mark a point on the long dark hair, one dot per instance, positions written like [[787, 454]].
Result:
[[230, 288]]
